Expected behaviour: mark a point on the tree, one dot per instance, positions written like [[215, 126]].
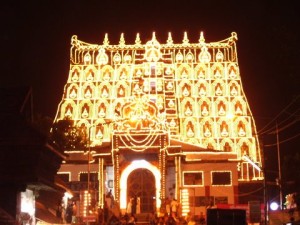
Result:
[[68, 136], [291, 173]]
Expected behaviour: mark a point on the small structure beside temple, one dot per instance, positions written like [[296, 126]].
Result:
[[29, 163]]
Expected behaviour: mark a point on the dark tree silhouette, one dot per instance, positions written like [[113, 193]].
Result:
[[291, 173], [68, 136]]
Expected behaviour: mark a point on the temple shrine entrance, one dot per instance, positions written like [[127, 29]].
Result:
[[141, 183]]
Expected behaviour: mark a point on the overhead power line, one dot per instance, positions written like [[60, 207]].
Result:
[[273, 129], [266, 128], [285, 127], [283, 141]]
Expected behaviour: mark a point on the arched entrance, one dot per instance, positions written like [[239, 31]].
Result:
[[141, 183], [136, 165]]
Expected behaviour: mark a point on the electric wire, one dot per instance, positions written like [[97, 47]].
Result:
[[250, 192], [294, 113], [283, 141], [265, 129], [285, 127], [273, 129]]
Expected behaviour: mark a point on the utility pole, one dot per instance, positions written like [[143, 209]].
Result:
[[266, 210], [279, 169]]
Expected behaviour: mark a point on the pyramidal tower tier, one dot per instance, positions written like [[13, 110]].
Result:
[[192, 91]]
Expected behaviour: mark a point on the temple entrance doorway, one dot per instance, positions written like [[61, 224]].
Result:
[[141, 183]]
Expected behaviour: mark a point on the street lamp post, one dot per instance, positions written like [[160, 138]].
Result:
[[266, 209]]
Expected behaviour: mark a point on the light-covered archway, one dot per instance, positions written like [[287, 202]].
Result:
[[138, 164]]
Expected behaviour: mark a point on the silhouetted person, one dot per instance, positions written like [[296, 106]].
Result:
[[133, 206], [69, 213]]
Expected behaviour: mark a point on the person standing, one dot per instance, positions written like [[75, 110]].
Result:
[[168, 206], [202, 218], [105, 212], [69, 213], [138, 205], [131, 220], [174, 206], [133, 207], [110, 199], [129, 207], [59, 211]]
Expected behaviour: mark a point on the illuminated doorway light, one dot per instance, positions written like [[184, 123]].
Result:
[[138, 164]]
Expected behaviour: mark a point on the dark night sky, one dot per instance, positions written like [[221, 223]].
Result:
[[36, 35]]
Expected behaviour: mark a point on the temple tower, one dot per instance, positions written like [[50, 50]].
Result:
[[147, 100]]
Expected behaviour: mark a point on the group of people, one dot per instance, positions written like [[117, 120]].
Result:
[[66, 214], [170, 209], [134, 205], [171, 206], [133, 208], [171, 219], [109, 199], [171, 215]]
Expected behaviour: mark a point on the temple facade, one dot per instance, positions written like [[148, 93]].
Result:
[[163, 121]]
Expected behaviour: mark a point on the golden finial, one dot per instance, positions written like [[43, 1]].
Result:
[[185, 40], [170, 40], [74, 39], [122, 39], [137, 39], [234, 36], [106, 41], [153, 36], [201, 39]]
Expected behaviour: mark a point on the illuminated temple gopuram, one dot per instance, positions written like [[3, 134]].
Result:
[[164, 120]]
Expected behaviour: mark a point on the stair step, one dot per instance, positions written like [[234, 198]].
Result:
[[142, 219]]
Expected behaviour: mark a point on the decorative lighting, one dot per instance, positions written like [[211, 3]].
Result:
[[274, 206], [246, 158], [185, 205], [123, 180], [140, 82]]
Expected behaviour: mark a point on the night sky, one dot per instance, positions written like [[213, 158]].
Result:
[[36, 35]]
